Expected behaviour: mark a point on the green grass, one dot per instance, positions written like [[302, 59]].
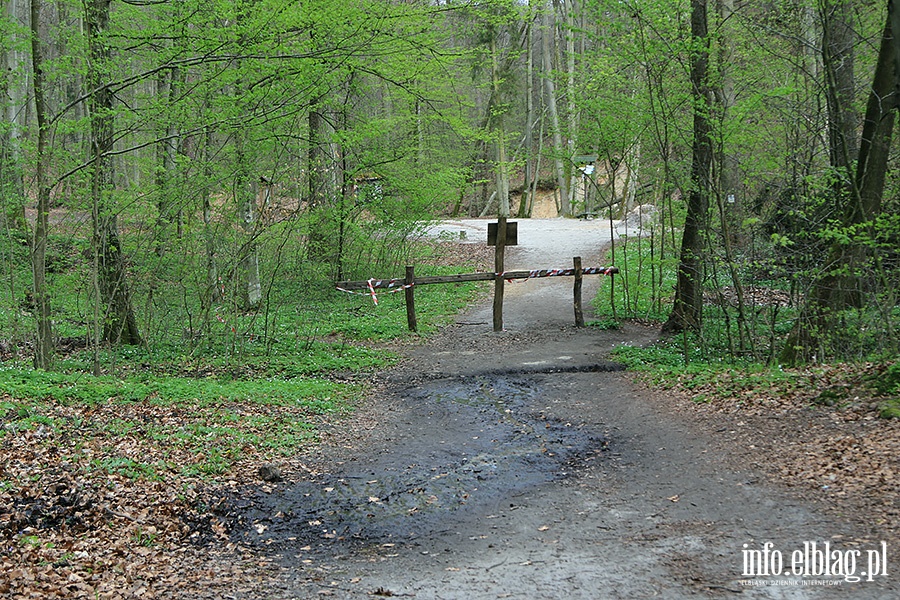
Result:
[[207, 390], [604, 324], [322, 394], [664, 363], [845, 384], [128, 467], [890, 409]]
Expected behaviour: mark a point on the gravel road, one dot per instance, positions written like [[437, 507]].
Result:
[[525, 464]]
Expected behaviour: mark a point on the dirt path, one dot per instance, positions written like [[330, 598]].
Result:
[[526, 465]]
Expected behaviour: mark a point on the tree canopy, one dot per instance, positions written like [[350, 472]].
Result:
[[211, 147]]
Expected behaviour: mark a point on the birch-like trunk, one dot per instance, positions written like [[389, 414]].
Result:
[[246, 188], [14, 92], [559, 150], [527, 199], [502, 168]]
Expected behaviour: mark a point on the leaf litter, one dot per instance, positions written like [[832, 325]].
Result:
[[96, 503], [818, 430]]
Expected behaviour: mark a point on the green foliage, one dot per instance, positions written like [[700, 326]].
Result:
[[79, 388], [890, 409], [128, 467], [604, 324], [643, 287], [720, 379], [886, 382], [214, 384]]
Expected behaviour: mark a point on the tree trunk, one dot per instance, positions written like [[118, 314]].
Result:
[[323, 187], [687, 311], [14, 84], [167, 150], [526, 198], [840, 286], [878, 128], [116, 312], [213, 290], [571, 107], [727, 167], [498, 109], [245, 190], [548, 34], [840, 90], [43, 344]]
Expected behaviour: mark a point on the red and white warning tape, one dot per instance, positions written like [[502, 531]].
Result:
[[373, 284], [565, 272]]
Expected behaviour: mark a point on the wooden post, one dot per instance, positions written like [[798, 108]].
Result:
[[498, 273], [411, 299], [579, 314]]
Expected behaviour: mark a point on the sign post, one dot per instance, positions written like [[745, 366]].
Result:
[[498, 273]]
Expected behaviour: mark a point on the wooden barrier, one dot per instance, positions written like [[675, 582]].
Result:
[[410, 282]]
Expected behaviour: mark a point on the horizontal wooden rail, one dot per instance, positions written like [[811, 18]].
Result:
[[410, 282], [381, 284]]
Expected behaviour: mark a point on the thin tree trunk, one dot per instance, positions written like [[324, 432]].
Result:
[[687, 311], [838, 39], [14, 95], [44, 344], [727, 167], [212, 270], [571, 107], [548, 34], [497, 117], [245, 191], [322, 184], [632, 164], [167, 150], [526, 197], [420, 135]]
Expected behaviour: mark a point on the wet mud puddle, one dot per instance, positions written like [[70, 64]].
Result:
[[459, 446]]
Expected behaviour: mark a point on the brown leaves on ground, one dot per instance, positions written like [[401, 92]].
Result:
[[94, 504], [817, 430], [749, 296]]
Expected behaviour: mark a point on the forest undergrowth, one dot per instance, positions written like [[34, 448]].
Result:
[[828, 430], [107, 482]]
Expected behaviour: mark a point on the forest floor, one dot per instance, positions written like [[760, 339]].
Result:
[[525, 464]]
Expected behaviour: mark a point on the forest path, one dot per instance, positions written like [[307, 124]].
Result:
[[524, 464]]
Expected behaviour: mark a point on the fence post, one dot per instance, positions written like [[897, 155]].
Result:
[[498, 270], [411, 299], [579, 314]]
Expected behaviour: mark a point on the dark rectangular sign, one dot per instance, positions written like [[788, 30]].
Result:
[[512, 235]]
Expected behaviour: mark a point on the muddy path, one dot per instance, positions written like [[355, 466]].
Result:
[[525, 464]]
